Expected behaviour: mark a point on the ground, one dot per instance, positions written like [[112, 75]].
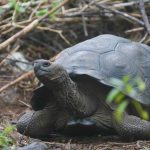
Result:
[[75, 22], [10, 114]]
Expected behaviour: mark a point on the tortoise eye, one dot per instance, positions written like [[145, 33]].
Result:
[[46, 64]]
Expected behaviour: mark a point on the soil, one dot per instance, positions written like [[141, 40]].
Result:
[[10, 114], [39, 43], [17, 103]]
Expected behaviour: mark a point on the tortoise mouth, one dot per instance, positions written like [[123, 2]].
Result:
[[41, 72], [46, 74]]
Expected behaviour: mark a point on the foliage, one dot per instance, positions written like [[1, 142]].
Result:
[[120, 98], [42, 12], [5, 137], [17, 6]]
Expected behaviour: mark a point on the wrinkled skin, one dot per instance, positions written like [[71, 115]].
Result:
[[78, 98]]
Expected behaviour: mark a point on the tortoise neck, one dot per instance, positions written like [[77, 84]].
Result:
[[55, 83], [63, 89], [70, 97]]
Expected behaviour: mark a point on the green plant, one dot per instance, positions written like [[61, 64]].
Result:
[[54, 4], [41, 12], [5, 137], [17, 6], [118, 97]]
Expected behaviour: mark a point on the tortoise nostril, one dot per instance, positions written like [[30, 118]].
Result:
[[46, 64]]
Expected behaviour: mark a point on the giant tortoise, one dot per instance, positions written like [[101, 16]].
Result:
[[76, 84]]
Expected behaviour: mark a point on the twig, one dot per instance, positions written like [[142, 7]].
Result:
[[78, 11], [7, 7], [49, 29], [144, 16], [135, 30], [34, 11], [144, 38], [31, 26], [19, 34], [14, 50], [84, 24], [56, 31], [25, 104], [53, 10], [5, 20], [147, 41], [25, 75], [125, 15], [14, 14], [7, 31], [25, 4], [128, 4]]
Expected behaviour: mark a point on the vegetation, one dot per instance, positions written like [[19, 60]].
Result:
[[119, 97], [6, 138]]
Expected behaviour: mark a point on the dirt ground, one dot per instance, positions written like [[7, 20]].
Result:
[[11, 113], [77, 21]]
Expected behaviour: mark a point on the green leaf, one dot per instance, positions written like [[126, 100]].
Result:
[[17, 6], [41, 12], [128, 88], [20, 8], [141, 84], [55, 3], [112, 95], [3, 140], [53, 17], [12, 3], [120, 97], [120, 109], [126, 78], [8, 130], [144, 115], [122, 106]]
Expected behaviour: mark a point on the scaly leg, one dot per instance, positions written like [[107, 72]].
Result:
[[132, 127], [42, 123]]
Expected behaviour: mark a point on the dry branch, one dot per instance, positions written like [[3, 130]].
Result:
[[25, 75], [19, 34], [31, 26], [123, 14], [144, 16]]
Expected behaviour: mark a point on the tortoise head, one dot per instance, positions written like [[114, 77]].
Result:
[[49, 73]]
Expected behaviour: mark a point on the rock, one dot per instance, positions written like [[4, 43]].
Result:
[[18, 60], [9, 97], [34, 146]]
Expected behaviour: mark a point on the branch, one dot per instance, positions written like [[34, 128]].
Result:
[[144, 15], [31, 26], [25, 75], [125, 15]]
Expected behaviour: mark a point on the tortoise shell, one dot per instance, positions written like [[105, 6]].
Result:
[[108, 57]]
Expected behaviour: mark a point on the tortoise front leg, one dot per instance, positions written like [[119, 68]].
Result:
[[42, 123], [132, 127], [40, 98]]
